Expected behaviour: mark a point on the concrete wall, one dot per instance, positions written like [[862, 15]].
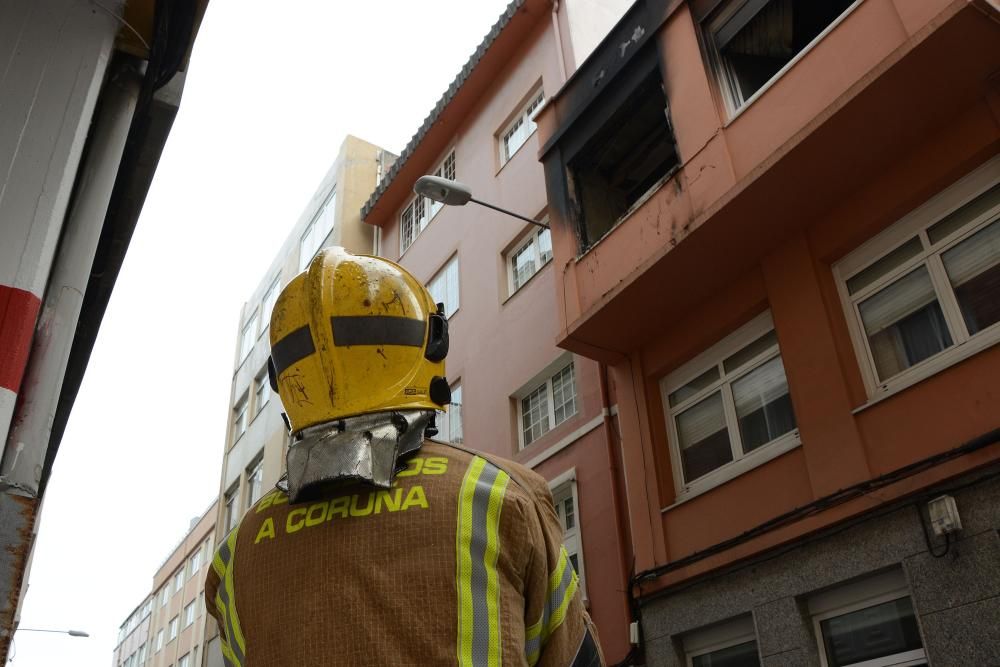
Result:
[[956, 598]]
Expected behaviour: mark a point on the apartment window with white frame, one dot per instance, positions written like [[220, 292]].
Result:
[[450, 423], [262, 392], [420, 211], [179, 580], [255, 480], [728, 644], [174, 623], [317, 230], [444, 287], [528, 257], [752, 42], [195, 563], [248, 336], [516, 133], [165, 595], [185, 660], [729, 409], [159, 640], [240, 418], [231, 515], [564, 497], [267, 304], [547, 405], [142, 653], [925, 293], [189, 614], [868, 623]]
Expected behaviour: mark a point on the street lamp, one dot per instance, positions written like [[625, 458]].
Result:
[[71, 633], [453, 193]]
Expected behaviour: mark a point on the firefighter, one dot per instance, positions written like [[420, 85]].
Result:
[[380, 546]]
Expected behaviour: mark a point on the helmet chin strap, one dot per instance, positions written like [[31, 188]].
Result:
[[365, 448]]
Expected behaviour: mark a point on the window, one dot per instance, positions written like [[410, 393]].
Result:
[[517, 132], [316, 231], [159, 640], [240, 418], [729, 644], [231, 515], [547, 405], [248, 335], [189, 614], [728, 405], [444, 287], [751, 42], [173, 628], [142, 654], [925, 293], [565, 500], [419, 212], [267, 305], [165, 595], [185, 660], [450, 422], [869, 623], [195, 563], [528, 257], [628, 156], [262, 392], [255, 478], [179, 580]]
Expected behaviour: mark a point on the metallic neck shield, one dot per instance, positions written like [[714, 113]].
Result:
[[364, 448]]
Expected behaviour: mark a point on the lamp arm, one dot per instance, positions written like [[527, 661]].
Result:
[[511, 213]]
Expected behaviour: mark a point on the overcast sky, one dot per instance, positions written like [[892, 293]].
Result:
[[272, 88]]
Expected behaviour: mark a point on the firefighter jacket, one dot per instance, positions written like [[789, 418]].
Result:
[[460, 562]]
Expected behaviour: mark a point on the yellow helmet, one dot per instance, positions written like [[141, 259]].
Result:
[[356, 334]]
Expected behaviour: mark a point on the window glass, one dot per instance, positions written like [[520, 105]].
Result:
[[522, 127], [563, 395], [763, 407], [741, 655], [704, 437], [904, 324], [231, 514], [535, 414], [255, 478], [240, 419], [262, 392], [455, 415], [755, 39], [248, 335], [973, 268], [875, 632], [528, 258], [444, 287], [270, 298], [548, 405], [419, 212]]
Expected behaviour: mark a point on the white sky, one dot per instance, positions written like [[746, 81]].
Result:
[[269, 96]]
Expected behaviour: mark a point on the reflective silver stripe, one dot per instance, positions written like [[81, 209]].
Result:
[[562, 587]]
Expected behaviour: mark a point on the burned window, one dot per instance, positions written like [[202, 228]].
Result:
[[752, 40], [629, 154]]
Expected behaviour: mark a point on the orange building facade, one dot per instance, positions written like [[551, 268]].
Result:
[[777, 223]]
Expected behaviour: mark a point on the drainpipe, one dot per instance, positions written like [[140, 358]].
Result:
[[559, 42], [614, 455]]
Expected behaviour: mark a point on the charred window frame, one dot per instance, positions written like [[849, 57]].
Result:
[[621, 149]]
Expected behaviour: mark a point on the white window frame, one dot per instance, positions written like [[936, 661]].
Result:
[[734, 632], [179, 580], [913, 224], [525, 117], [248, 335], [262, 392], [267, 305], [231, 500], [533, 240], [447, 276], [195, 563], [255, 469], [174, 626], [446, 421], [563, 487], [185, 660], [159, 641], [165, 594], [733, 99], [241, 418], [544, 379], [714, 356], [317, 230], [445, 169], [189, 613], [858, 595]]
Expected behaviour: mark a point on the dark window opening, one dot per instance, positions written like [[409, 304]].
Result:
[[754, 39], [628, 155]]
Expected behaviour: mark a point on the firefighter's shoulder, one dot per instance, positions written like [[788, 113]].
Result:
[[527, 481]]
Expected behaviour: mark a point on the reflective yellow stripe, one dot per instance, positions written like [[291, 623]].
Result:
[[563, 583], [233, 643], [480, 502]]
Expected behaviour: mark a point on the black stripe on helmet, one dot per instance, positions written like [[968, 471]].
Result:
[[292, 348], [377, 330]]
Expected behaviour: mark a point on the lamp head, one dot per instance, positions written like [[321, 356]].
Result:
[[443, 190]]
